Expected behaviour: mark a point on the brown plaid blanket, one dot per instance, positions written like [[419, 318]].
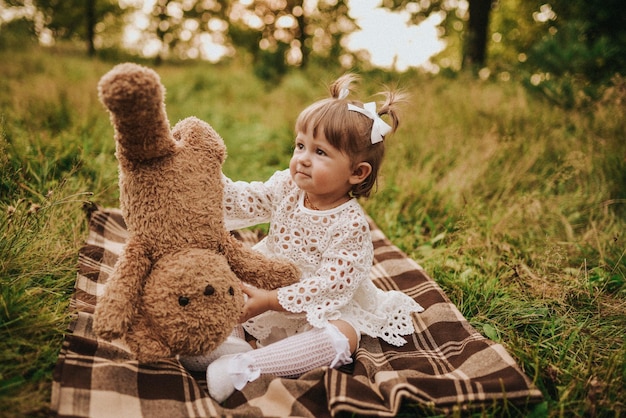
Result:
[[446, 364]]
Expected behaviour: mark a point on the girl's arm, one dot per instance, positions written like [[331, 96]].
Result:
[[238, 213], [247, 204]]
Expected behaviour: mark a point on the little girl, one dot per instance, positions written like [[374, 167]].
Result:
[[317, 223]]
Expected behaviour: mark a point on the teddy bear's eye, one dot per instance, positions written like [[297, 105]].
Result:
[[209, 290], [183, 300], [231, 291]]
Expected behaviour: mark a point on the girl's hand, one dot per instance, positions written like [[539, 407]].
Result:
[[259, 301]]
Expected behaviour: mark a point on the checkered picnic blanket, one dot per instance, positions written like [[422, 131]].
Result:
[[445, 364]]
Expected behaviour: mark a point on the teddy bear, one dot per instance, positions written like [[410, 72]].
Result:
[[176, 287]]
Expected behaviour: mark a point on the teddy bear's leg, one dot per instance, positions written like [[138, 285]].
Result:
[[254, 268], [134, 96], [116, 307]]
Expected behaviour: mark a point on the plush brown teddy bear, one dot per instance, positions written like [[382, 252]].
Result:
[[175, 289]]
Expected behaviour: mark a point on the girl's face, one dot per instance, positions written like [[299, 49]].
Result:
[[325, 173]]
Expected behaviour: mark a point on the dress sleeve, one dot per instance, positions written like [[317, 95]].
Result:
[[247, 204], [344, 265]]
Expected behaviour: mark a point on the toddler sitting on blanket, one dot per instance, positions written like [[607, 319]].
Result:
[[317, 223]]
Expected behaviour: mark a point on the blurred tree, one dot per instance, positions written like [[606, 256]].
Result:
[[580, 52], [17, 26], [467, 19], [173, 22], [515, 28], [186, 29], [90, 14], [78, 19], [578, 37], [475, 46], [290, 31], [596, 29]]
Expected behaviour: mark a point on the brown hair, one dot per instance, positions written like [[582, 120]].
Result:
[[349, 131]]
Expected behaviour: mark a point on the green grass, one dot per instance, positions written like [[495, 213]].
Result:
[[515, 207]]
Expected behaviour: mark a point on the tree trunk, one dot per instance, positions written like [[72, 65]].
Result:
[[475, 48], [302, 37], [301, 34], [91, 24]]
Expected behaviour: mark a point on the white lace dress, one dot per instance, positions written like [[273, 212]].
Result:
[[334, 251]]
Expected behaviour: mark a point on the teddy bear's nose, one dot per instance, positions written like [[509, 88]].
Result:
[[209, 290], [183, 300]]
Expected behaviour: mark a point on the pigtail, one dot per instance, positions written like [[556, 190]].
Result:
[[340, 88], [393, 100]]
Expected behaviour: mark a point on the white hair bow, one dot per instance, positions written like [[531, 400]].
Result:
[[380, 128]]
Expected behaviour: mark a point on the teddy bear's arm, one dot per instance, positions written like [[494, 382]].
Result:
[[116, 307], [254, 268]]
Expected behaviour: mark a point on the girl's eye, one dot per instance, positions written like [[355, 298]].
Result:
[[299, 146], [320, 152]]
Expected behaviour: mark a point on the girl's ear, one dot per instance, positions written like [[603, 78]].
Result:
[[360, 172]]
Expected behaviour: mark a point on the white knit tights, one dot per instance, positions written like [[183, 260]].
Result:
[[292, 356]]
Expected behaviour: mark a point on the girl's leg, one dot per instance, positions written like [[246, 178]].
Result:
[[290, 357]]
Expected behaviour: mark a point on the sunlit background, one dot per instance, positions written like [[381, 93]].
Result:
[[540, 40], [388, 39]]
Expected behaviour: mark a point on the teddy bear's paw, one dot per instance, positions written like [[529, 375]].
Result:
[[107, 333], [108, 329], [111, 321], [254, 268], [128, 86], [285, 274]]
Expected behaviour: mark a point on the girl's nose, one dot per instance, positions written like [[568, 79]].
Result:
[[304, 159]]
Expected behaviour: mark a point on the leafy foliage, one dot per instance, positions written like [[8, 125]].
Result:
[[584, 49]]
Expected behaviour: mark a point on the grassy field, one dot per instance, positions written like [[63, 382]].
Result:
[[515, 207]]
